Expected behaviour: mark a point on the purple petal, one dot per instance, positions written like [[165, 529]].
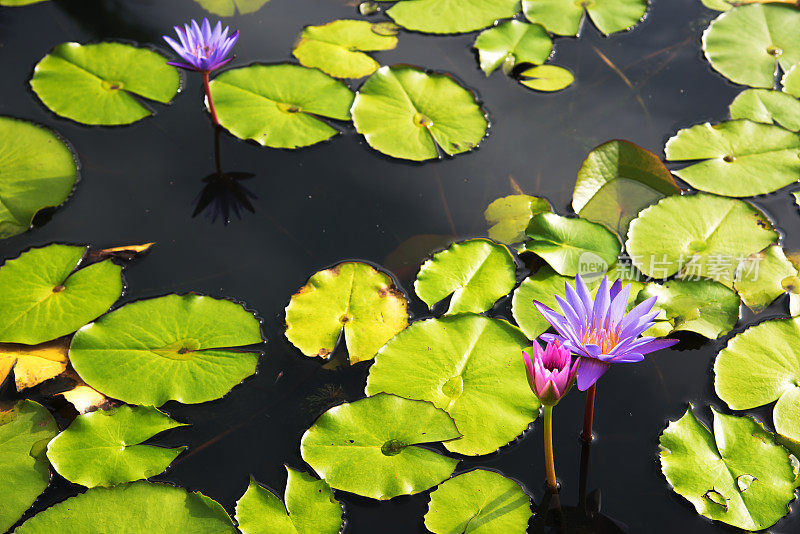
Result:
[[556, 321], [628, 357], [186, 66], [584, 294], [589, 371], [575, 301], [656, 344], [592, 350], [601, 303], [615, 289], [569, 313], [616, 311]]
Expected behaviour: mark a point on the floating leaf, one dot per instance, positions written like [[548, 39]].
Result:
[[479, 501], [742, 158], [407, 113], [698, 235], [447, 16], [761, 365], [769, 107], [136, 507], [509, 216], [310, 508], [512, 43], [37, 171], [564, 17], [725, 5], [25, 430], [279, 105], [546, 78], [86, 399], [96, 83], [167, 348], [354, 297], [44, 298], [337, 48], [564, 242], [791, 81], [227, 8], [711, 470], [765, 276], [33, 364], [125, 253], [476, 272], [469, 365], [17, 3], [746, 43], [368, 447], [104, 448]]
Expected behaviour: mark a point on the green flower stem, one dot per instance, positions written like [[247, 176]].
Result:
[[588, 414], [207, 88], [550, 465]]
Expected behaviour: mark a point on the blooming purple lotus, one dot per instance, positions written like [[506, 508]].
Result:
[[202, 48], [551, 372], [599, 331]]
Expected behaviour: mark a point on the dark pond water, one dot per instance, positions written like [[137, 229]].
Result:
[[340, 200]]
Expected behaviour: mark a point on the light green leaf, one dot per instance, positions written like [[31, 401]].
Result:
[[512, 43], [279, 105], [17, 3], [37, 171], [368, 447], [742, 158], [509, 216], [469, 365], [546, 78], [765, 276], [478, 502], [791, 81], [451, 16], [746, 43], [104, 448], [407, 113], [564, 242], [132, 509], [25, 430], [738, 475], [769, 107], [796, 195], [720, 5], [476, 272], [44, 297], [564, 17], [354, 297], [174, 347], [697, 235], [98, 83], [227, 8], [310, 508]]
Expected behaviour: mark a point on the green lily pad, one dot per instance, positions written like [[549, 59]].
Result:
[[174, 347], [337, 48], [44, 297], [479, 501], [705, 307], [564, 17], [451, 16], [37, 171], [565, 242], [762, 365], [477, 272], [509, 216], [407, 113], [104, 448], [310, 508], [745, 43], [280, 105], [17, 3], [512, 43], [354, 297], [742, 158], [469, 365], [697, 235], [738, 475], [765, 276], [796, 195], [791, 81], [25, 430], [546, 78], [368, 447], [128, 508], [227, 8], [768, 107], [98, 83]]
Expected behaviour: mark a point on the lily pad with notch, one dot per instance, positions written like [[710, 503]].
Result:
[[768, 107], [509, 216], [564, 17], [451, 16], [546, 78], [765, 276], [227, 8], [512, 43]]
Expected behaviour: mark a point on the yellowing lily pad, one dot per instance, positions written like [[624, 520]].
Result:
[[33, 364]]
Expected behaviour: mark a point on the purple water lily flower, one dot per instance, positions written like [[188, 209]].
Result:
[[599, 331], [551, 372], [202, 48]]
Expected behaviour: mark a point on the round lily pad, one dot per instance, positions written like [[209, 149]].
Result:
[[738, 475], [44, 297], [478, 502], [99, 83], [175, 347], [769, 107], [546, 78], [745, 43], [280, 105], [791, 81], [407, 113], [469, 365], [354, 297], [509, 216], [742, 158], [765, 276], [309, 507], [512, 43], [368, 447], [227, 8], [25, 430], [33, 364], [447, 16], [128, 508], [37, 171], [565, 17], [477, 272]]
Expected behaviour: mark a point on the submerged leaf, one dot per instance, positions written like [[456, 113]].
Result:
[[769, 107], [451, 16], [227, 8], [765, 276], [564, 17], [512, 43], [546, 78], [33, 364], [509, 216]]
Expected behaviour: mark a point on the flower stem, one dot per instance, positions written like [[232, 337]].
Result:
[[549, 464], [588, 414], [207, 87]]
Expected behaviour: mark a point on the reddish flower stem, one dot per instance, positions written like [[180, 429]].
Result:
[[210, 101], [588, 414], [549, 463]]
